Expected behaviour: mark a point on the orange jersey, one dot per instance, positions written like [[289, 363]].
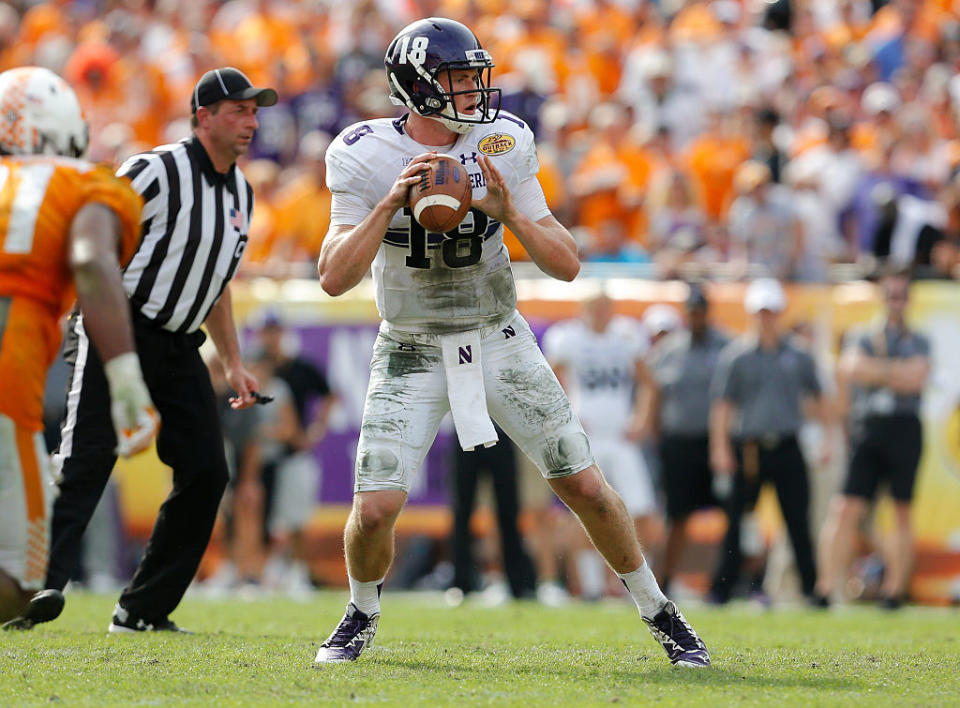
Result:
[[39, 197]]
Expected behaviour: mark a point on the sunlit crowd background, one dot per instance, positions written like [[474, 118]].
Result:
[[723, 138]]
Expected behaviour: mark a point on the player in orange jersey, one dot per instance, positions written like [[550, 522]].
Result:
[[66, 226]]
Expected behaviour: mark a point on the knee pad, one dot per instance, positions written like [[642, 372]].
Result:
[[568, 453], [378, 463]]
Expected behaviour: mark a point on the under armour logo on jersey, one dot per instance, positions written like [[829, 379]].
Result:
[[466, 354], [406, 347], [508, 332], [464, 157], [236, 220]]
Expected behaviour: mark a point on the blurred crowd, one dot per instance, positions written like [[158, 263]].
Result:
[[808, 140]]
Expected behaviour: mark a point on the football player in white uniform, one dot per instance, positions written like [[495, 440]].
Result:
[[451, 338], [599, 359]]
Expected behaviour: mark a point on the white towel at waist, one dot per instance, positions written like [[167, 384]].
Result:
[[468, 399]]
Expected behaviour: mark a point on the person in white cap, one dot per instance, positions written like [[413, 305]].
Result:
[[759, 389], [660, 320]]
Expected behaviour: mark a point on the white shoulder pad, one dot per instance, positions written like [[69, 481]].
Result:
[[351, 156]]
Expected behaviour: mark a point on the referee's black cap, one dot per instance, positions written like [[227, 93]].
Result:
[[227, 82], [696, 297]]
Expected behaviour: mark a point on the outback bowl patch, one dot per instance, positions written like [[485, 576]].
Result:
[[496, 144]]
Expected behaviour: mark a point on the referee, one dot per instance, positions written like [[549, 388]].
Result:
[[197, 210]]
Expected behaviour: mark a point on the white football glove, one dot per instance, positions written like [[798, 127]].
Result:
[[135, 418]]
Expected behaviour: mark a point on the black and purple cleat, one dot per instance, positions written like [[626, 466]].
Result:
[[676, 636], [354, 634]]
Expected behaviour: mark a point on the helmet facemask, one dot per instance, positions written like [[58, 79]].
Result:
[[429, 99], [69, 144]]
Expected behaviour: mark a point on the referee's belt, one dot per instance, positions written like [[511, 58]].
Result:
[[191, 340], [750, 450], [769, 441], [138, 318]]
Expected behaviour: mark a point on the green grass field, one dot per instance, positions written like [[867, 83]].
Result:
[[261, 653]]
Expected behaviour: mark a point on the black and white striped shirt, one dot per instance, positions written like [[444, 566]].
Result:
[[194, 230]]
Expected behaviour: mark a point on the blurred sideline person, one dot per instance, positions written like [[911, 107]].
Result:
[[197, 210], [550, 535], [885, 368], [758, 392], [683, 365], [292, 493], [242, 513], [67, 226], [780, 579], [599, 360], [276, 429], [500, 464], [659, 320], [451, 338]]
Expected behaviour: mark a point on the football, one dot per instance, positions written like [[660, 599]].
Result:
[[441, 198]]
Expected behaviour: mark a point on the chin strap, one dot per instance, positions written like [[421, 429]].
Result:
[[456, 126]]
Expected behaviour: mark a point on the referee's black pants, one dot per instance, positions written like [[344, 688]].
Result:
[[190, 442], [782, 463], [500, 463]]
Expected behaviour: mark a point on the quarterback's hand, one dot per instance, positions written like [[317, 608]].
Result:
[[135, 419], [497, 202], [399, 194], [244, 383]]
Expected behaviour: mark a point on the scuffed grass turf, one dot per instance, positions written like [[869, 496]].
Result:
[[261, 653]]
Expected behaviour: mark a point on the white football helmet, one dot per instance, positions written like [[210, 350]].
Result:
[[40, 114]]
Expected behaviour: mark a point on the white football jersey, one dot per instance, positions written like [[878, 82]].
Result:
[[600, 370], [427, 282]]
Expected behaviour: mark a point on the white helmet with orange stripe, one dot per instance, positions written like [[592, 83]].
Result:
[[40, 114]]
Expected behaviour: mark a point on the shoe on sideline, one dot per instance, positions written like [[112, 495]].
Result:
[[123, 622]]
